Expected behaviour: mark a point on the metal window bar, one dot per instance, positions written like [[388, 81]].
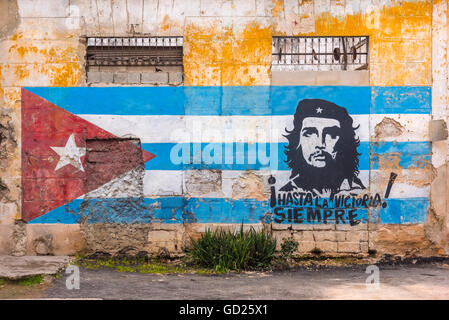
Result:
[[347, 51], [135, 51]]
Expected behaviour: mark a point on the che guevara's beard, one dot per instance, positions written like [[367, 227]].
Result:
[[329, 177]]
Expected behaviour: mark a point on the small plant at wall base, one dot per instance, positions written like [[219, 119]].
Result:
[[224, 250], [288, 247]]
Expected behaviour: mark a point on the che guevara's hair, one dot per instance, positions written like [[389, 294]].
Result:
[[346, 162]]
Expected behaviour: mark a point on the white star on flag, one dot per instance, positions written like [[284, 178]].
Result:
[[319, 110], [70, 154]]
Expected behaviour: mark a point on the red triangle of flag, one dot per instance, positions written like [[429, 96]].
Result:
[[54, 165]]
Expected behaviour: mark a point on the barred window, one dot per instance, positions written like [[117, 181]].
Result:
[[130, 51], [135, 60], [320, 53]]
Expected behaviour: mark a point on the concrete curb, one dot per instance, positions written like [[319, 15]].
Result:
[[14, 268]]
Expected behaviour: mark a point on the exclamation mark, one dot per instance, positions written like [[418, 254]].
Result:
[[272, 181], [390, 184]]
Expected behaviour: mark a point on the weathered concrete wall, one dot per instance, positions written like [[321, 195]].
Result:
[[229, 87], [438, 225]]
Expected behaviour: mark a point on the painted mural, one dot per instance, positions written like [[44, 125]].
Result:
[[182, 154], [322, 155], [322, 150]]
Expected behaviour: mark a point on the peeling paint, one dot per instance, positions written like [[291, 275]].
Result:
[[404, 240], [8, 141], [278, 7], [68, 74], [250, 185], [396, 57], [388, 128], [392, 62], [203, 182], [229, 57]]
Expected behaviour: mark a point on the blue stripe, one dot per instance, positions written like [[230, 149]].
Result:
[[115, 101], [284, 99], [411, 154], [244, 101], [208, 210], [398, 211], [402, 211], [401, 100], [412, 147]]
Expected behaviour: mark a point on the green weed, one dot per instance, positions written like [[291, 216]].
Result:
[[288, 247], [30, 281], [125, 269], [223, 250]]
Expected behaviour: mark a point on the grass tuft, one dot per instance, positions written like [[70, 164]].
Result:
[[30, 281], [223, 250], [151, 266]]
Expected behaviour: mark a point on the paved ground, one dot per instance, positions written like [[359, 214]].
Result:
[[430, 281]]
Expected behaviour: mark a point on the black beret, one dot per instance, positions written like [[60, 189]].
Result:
[[321, 109]]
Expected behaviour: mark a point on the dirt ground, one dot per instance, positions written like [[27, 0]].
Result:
[[14, 290]]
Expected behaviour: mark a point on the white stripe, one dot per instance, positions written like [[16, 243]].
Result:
[[231, 184], [403, 128], [216, 129]]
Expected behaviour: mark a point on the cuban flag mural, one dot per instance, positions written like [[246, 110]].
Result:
[[280, 154]]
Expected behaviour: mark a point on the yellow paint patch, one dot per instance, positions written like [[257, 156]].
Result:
[[36, 74], [21, 71], [244, 75], [16, 36], [226, 57], [400, 44], [400, 40], [165, 25], [202, 75], [11, 97], [36, 63], [278, 7], [65, 75], [21, 53]]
